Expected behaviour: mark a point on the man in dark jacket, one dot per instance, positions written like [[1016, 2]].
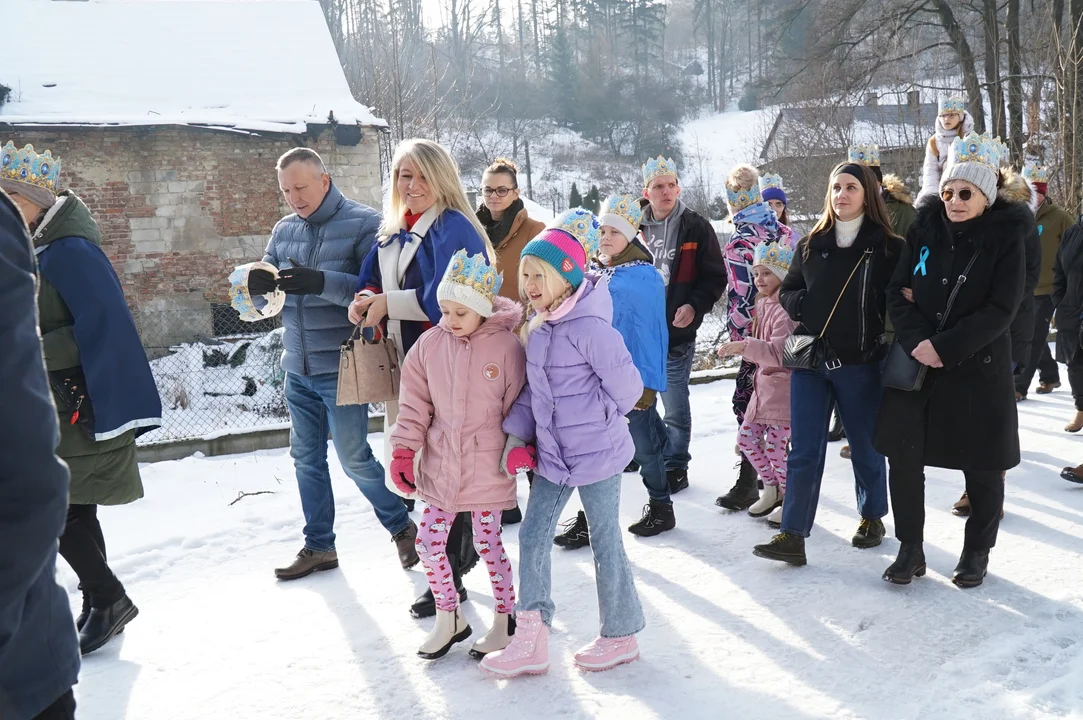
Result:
[[39, 653], [319, 249], [687, 254]]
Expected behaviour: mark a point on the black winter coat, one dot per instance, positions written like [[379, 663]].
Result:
[[1068, 292], [810, 289], [964, 417], [1015, 189]]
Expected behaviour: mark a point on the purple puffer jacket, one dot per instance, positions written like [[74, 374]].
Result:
[[580, 384]]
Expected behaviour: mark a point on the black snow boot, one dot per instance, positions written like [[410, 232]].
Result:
[[575, 535], [678, 480], [511, 517], [102, 624], [972, 567], [783, 547], [870, 533], [908, 565], [657, 518], [408, 503], [425, 605], [745, 492], [85, 612], [837, 432]]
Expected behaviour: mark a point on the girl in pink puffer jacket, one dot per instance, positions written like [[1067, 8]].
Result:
[[458, 382]]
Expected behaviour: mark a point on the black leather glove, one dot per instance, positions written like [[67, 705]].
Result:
[[261, 282], [300, 280]]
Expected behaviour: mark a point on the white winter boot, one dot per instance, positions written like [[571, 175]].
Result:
[[450, 628], [775, 518], [769, 500], [497, 638]]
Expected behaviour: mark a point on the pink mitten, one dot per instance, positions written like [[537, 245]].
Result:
[[402, 470], [522, 458]]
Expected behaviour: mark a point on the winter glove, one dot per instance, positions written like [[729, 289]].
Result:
[[517, 454], [300, 280], [402, 470], [646, 399], [261, 282]]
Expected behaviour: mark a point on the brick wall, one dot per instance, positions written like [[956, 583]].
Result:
[[180, 207]]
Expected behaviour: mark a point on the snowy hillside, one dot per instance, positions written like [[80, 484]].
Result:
[[728, 635]]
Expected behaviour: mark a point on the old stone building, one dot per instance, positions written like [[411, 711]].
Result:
[[175, 157]]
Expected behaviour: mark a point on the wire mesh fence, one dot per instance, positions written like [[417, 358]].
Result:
[[712, 333]]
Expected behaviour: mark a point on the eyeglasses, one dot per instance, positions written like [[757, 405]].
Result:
[[964, 195], [499, 192]]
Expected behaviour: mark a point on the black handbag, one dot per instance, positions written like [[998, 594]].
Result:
[[901, 370], [812, 351]]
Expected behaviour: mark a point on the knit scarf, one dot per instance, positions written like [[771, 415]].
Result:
[[498, 229]]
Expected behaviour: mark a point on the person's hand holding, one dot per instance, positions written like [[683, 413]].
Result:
[[356, 311], [300, 280], [732, 348], [926, 354], [684, 316], [261, 282], [373, 307], [908, 293]]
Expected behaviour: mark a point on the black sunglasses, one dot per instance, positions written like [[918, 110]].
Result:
[[965, 194]]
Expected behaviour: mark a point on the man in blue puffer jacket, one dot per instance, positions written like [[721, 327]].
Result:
[[39, 652], [319, 250]]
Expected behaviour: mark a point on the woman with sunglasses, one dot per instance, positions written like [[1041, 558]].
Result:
[[506, 220], [969, 242]]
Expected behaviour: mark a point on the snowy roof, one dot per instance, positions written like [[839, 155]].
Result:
[[256, 66], [890, 126]]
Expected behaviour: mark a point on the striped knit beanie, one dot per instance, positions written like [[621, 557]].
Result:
[[561, 250]]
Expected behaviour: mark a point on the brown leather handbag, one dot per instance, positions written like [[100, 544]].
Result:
[[368, 370]]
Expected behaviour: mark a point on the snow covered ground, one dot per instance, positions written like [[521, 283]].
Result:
[[728, 635]]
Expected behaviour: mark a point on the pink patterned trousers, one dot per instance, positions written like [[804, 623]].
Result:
[[766, 447]]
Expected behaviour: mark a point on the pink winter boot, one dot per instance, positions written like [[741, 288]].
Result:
[[605, 653], [528, 653]]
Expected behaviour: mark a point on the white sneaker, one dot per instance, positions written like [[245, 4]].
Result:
[[775, 518], [769, 500]]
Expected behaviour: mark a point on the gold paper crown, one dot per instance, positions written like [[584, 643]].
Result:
[[771, 180], [475, 273], [740, 199], [951, 104], [976, 148], [658, 167], [865, 154], [27, 166], [1036, 173], [773, 256], [624, 206]]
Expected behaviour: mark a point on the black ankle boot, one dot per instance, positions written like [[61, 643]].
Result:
[[836, 432], [425, 605], [677, 480], [908, 565], [511, 517], [744, 493], [104, 623], [972, 567], [85, 612]]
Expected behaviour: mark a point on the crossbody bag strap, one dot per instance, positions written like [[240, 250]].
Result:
[[853, 272], [955, 290]]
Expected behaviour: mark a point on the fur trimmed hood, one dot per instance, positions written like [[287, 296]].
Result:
[[895, 187]]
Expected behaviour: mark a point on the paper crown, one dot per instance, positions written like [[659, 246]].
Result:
[[976, 148], [658, 167], [259, 307], [864, 154], [583, 226], [771, 180], [738, 200], [473, 272], [773, 256], [950, 104], [27, 166], [1036, 173], [622, 212]]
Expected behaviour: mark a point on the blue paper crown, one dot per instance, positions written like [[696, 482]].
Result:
[[27, 166], [864, 154], [583, 226], [771, 180], [738, 200], [625, 206], [475, 273], [976, 148], [950, 104], [774, 256], [658, 167], [1036, 173]]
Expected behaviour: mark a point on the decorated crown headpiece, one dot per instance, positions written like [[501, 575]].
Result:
[[774, 256], [258, 307], [624, 208], [583, 226], [771, 180], [950, 104], [473, 272], [864, 154], [738, 200], [658, 167], [27, 166], [1036, 173], [976, 148]]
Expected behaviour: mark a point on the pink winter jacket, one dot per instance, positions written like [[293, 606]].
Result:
[[770, 403], [453, 397]]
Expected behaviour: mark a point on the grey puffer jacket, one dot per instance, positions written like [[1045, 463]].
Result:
[[335, 239]]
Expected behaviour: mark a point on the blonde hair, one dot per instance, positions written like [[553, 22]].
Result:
[[554, 283], [438, 168], [742, 177]]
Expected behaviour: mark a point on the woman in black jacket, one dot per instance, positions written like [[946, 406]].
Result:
[[964, 414], [1068, 301], [835, 288]]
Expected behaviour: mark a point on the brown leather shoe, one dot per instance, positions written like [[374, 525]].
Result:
[[1073, 474], [961, 508], [404, 543], [1046, 388], [307, 562], [1077, 423]]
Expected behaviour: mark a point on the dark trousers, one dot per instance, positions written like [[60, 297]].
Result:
[[62, 709], [1075, 378], [83, 547], [984, 488], [1041, 360]]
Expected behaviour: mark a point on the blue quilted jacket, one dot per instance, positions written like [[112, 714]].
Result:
[[335, 239]]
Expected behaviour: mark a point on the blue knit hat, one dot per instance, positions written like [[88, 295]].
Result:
[[562, 251]]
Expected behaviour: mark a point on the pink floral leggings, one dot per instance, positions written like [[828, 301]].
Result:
[[431, 543], [766, 447]]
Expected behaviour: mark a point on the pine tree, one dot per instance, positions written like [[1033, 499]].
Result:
[[592, 201], [574, 198]]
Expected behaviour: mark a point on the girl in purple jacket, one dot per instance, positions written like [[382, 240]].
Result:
[[580, 384]]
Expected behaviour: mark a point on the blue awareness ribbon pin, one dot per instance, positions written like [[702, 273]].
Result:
[[922, 257], [1040, 228]]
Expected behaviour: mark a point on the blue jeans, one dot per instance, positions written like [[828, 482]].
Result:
[[649, 435], [857, 391], [678, 410], [618, 602], [313, 412]]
